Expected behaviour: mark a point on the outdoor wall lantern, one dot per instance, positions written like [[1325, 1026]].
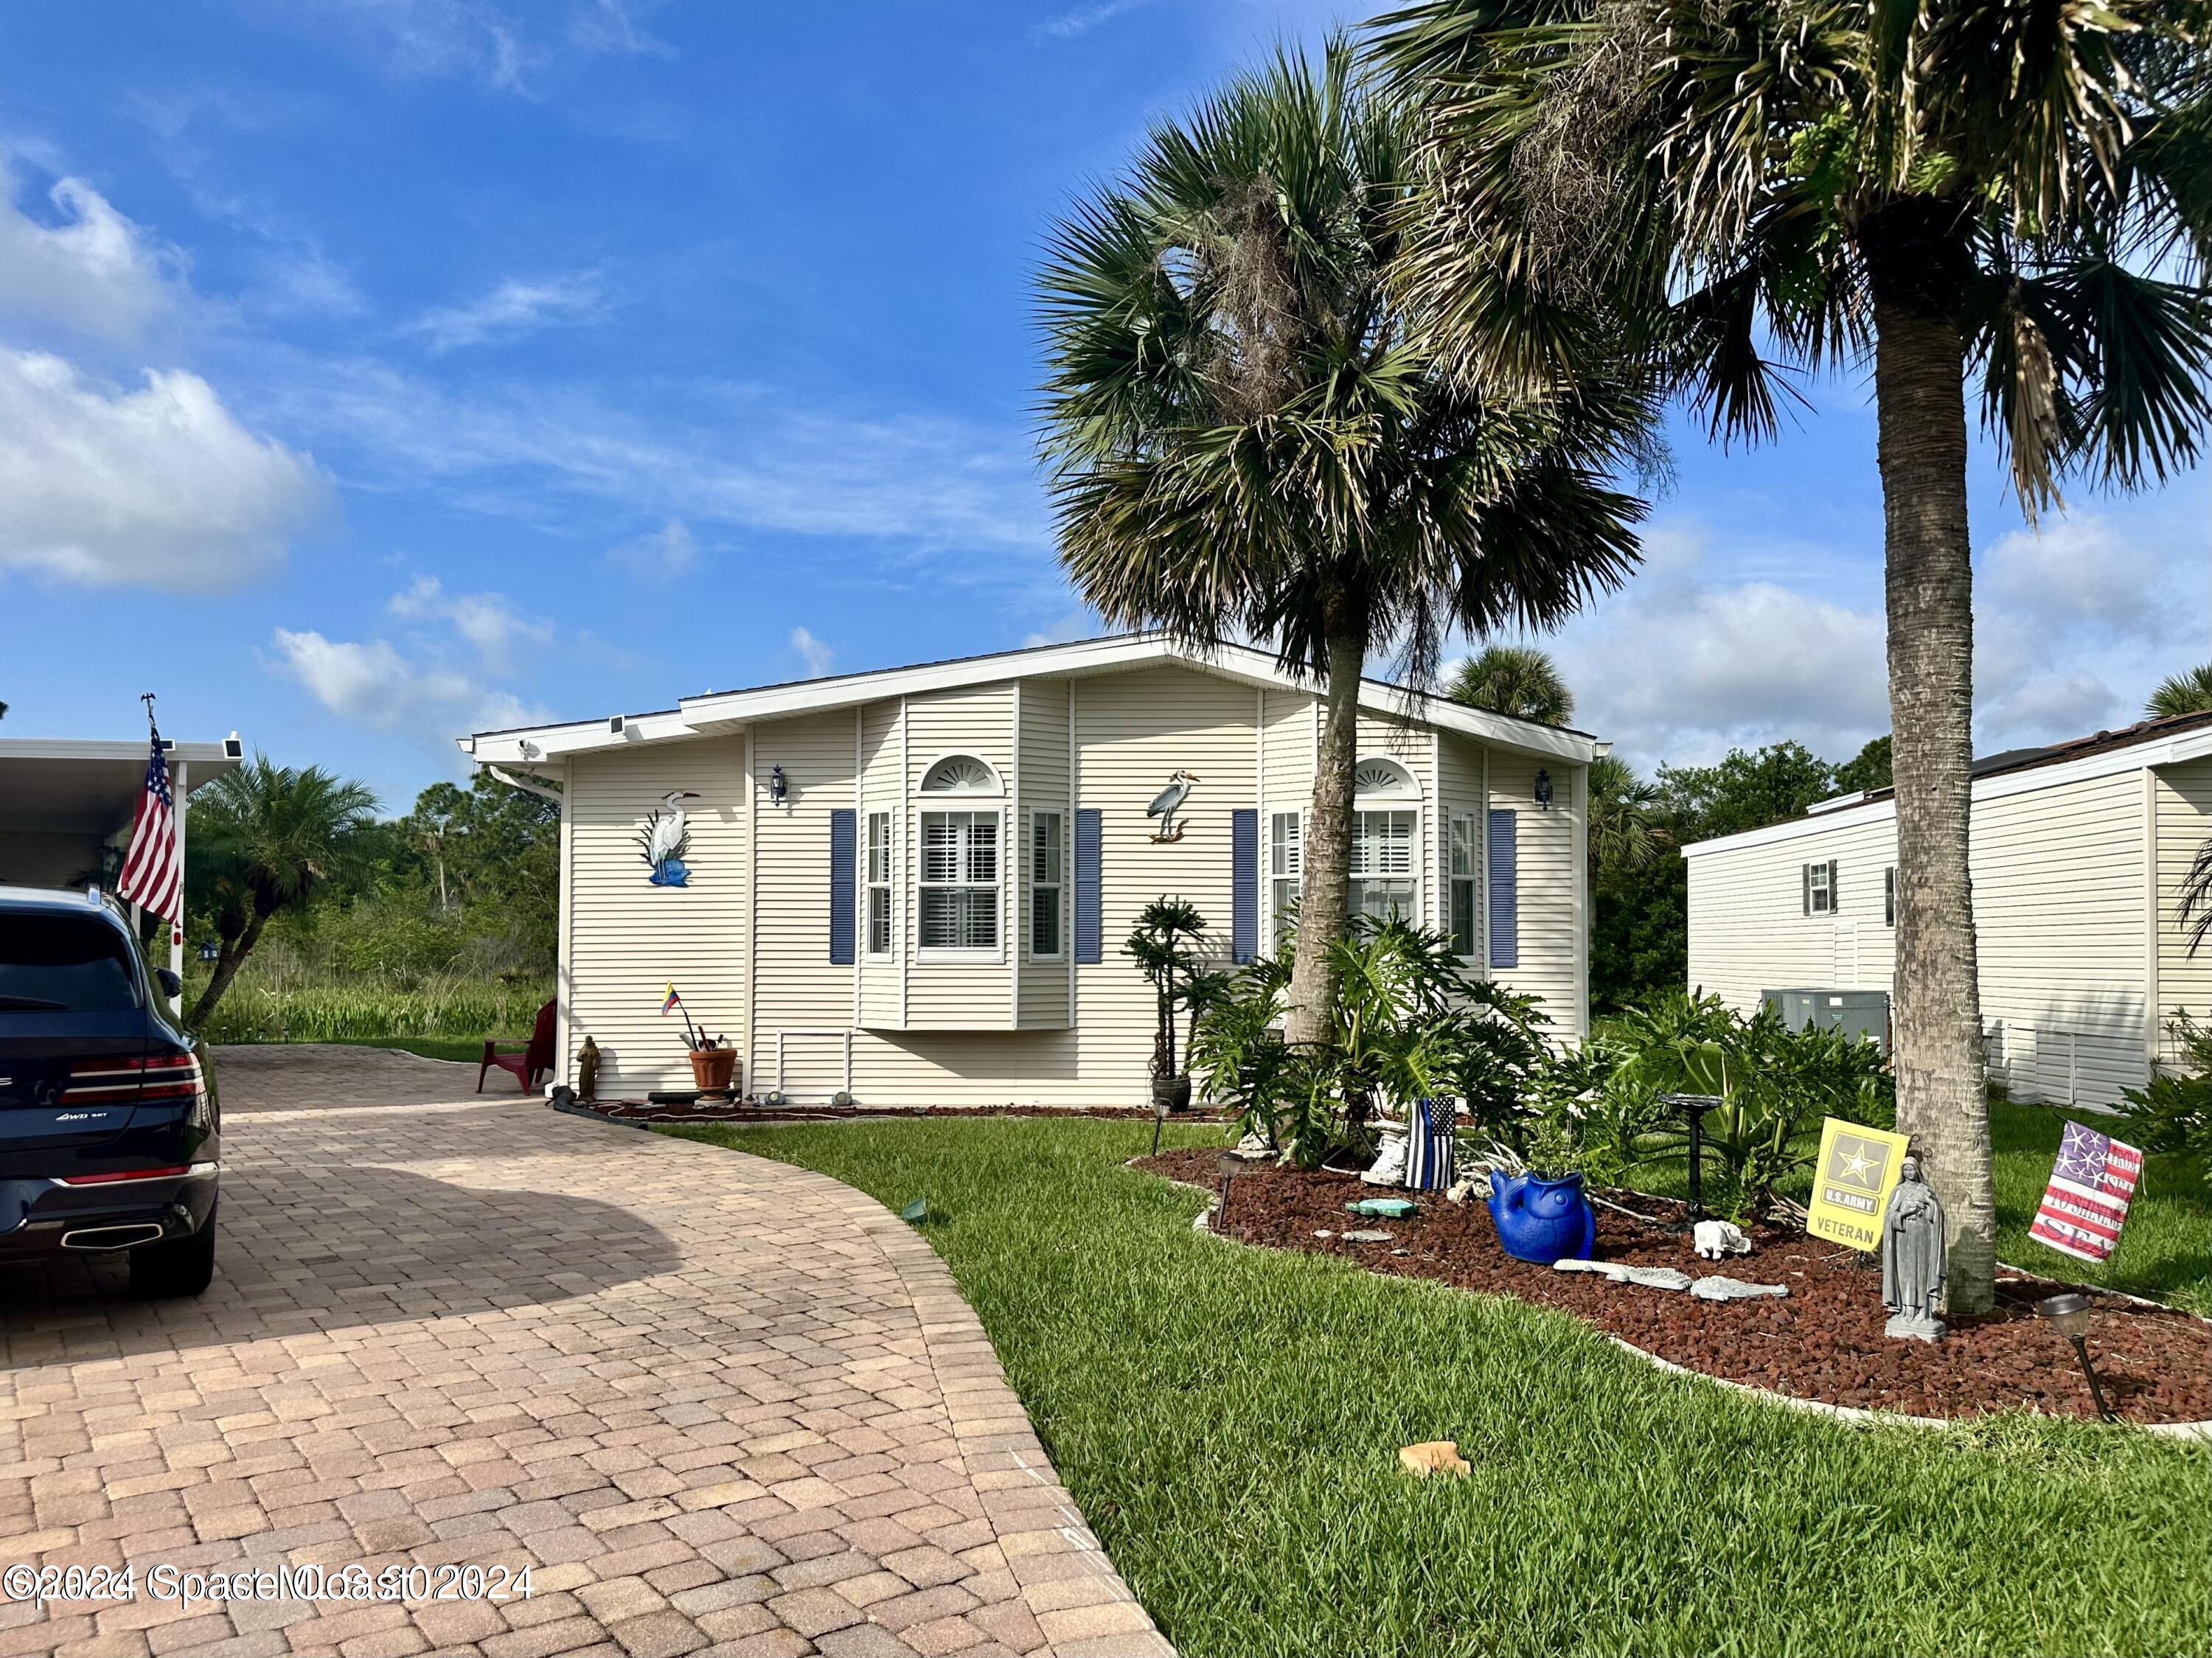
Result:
[[2069, 1315], [1543, 790], [209, 950], [778, 790]]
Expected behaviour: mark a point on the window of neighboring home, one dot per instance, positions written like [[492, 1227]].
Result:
[[1889, 896], [1463, 867], [1283, 870], [959, 883], [1048, 879], [1382, 865], [1820, 888], [877, 871]]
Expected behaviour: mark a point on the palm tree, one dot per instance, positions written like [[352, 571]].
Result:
[[1626, 830], [1517, 680], [2182, 693], [1245, 437], [263, 837], [1938, 188]]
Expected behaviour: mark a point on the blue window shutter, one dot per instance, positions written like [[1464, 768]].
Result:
[[1244, 884], [1504, 890], [840, 886], [1090, 929]]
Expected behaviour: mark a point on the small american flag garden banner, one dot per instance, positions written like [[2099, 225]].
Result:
[[153, 874], [2088, 1198], [1430, 1146]]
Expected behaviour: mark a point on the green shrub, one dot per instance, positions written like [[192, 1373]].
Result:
[[296, 1009], [2173, 1111]]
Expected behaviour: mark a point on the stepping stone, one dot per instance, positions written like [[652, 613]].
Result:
[[1611, 1269], [1659, 1278], [1367, 1238], [1734, 1288]]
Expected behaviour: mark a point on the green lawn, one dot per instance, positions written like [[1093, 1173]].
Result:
[[1229, 1419]]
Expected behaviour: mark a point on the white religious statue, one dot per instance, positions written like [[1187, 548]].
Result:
[[1913, 1261]]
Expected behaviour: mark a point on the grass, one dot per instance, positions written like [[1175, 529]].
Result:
[[1229, 1419], [298, 1009]]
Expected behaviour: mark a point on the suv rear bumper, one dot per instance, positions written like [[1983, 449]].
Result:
[[43, 1217]]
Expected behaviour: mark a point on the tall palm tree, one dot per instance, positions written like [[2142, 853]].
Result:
[[1626, 827], [263, 837], [2182, 693], [1944, 190], [1518, 680], [1245, 437]]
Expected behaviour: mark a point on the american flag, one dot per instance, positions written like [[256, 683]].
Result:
[[2088, 1198], [153, 874]]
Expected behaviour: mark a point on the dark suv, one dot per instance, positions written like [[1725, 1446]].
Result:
[[108, 1124]]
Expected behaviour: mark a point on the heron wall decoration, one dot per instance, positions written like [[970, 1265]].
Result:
[[665, 838], [1168, 802]]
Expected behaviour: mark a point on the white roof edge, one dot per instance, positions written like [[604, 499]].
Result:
[[2105, 762], [725, 711]]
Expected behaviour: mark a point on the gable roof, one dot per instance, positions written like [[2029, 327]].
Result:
[[2146, 743], [720, 713]]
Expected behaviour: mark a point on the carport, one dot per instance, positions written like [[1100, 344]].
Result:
[[66, 807]]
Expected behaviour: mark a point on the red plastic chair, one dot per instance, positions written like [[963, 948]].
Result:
[[535, 1060]]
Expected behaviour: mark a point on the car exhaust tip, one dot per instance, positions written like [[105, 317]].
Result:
[[113, 1237]]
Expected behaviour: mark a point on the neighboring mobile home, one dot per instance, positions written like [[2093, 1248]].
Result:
[[2077, 852], [914, 885]]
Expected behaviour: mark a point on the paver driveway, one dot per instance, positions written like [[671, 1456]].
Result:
[[713, 1402]]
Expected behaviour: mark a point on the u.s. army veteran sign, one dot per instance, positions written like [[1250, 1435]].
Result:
[[1851, 1182]]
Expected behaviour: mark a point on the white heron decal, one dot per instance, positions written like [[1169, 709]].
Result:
[[666, 838], [1168, 802]]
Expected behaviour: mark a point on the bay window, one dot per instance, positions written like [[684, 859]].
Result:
[[1282, 870], [1382, 865], [1464, 876], [877, 871], [959, 884], [1048, 877]]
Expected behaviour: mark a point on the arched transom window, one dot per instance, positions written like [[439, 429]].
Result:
[[1385, 780], [961, 773]]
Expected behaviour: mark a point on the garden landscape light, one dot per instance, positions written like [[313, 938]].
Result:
[[2070, 1314], [1230, 1163]]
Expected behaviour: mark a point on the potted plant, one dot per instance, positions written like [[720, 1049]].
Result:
[[714, 1061], [1162, 948]]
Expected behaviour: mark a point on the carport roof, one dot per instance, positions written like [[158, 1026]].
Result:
[[64, 785]]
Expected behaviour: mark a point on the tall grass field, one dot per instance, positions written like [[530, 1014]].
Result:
[[297, 1009]]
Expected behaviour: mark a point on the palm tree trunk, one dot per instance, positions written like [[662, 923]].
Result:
[[226, 968], [1920, 398], [1326, 869]]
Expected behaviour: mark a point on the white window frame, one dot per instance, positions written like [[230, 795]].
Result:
[[877, 861], [1817, 882], [1047, 887], [1363, 842], [967, 881], [1464, 871], [1286, 868]]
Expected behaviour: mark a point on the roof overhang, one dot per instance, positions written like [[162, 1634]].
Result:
[[60, 785], [722, 713], [2000, 785]]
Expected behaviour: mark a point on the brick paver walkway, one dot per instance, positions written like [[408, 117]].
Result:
[[716, 1404]]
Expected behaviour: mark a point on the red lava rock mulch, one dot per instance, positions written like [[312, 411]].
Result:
[[1824, 1341], [711, 1111]]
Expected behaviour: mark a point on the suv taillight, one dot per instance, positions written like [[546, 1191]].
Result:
[[164, 1076]]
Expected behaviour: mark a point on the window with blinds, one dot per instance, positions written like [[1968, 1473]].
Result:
[[1382, 865], [959, 886]]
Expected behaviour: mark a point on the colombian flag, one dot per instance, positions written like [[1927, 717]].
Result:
[[671, 1003]]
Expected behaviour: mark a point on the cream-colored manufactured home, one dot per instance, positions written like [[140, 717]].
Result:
[[2077, 852], [913, 885]]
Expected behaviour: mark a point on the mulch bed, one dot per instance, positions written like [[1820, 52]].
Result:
[[712, 1111], [1824, 1341]]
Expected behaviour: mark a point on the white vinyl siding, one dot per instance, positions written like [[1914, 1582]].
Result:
[[2060, 913]]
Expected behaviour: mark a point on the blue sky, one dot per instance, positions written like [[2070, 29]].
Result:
[[375, 369]]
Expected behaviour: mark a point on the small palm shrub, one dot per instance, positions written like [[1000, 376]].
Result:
[[2173, 1111]]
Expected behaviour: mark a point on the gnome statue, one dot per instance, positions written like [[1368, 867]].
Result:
[[587, 1071], [1913, 1257]]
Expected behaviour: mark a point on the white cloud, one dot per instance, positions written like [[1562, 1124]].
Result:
[[371, 683], [92, 269], [160, 487], [515, 307], [1083, 19], [665, 553], [1679, 666], [816, 655], [475, 39], [488, 621], [612, 26]]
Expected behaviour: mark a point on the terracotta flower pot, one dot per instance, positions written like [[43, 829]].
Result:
[[713, 1070]]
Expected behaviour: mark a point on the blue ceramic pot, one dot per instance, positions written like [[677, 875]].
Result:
[[1543, 1220]]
